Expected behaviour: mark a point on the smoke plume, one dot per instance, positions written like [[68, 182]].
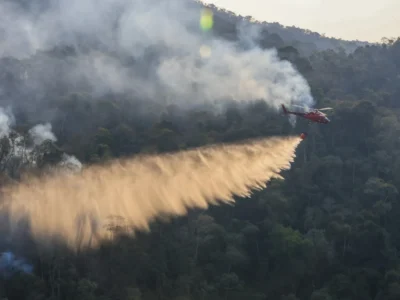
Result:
[[10, 264], [41, 133], [78, 207], [154, 50], [19, 152], [6, 120]]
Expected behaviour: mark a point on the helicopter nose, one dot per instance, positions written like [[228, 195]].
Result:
[[327, 120]]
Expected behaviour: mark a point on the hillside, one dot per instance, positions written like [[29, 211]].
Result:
[[91, 92], [306, 41]]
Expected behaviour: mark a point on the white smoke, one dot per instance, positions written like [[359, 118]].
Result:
[[181, 74], [15, 149], [248, 34], [6, 120], [41, 133], [292, 120], [71, 163], [10, 264]]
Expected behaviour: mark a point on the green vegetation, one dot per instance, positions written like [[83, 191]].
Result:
[[329, 231]]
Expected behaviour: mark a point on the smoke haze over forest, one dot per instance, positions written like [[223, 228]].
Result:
[[150, 50]]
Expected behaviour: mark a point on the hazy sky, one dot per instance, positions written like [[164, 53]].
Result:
[[366, 20]]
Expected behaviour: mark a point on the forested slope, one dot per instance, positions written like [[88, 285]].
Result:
[[306, 41], [329, 231]]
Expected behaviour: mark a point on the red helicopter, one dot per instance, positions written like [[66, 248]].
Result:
[[314, 115]]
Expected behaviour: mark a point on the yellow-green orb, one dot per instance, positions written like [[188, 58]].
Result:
[[206, 20]]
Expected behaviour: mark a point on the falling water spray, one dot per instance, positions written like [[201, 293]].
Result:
[[76, 207]]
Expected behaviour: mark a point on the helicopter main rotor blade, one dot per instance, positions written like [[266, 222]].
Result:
[[304, 108]]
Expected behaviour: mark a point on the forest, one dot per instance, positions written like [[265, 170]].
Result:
[[328, 231], [305, 41]]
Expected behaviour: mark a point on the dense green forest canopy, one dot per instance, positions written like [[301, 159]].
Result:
[[329, 231]]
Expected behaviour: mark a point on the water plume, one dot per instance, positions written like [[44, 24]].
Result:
[[139, 190]]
